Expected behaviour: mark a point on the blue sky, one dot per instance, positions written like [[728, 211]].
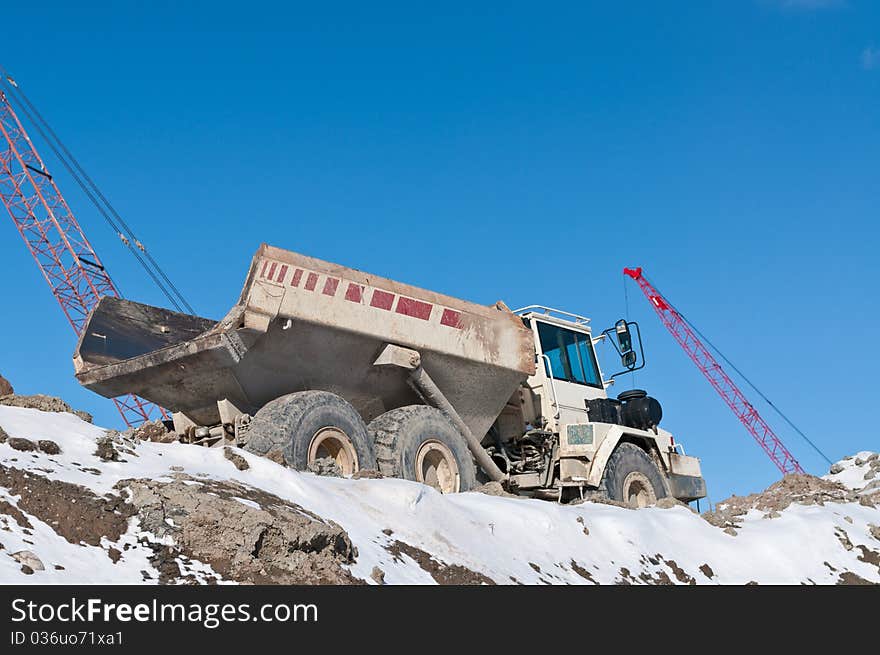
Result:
[[504, 151]]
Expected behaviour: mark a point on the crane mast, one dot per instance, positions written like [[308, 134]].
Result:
[[691, 343], [55, 239]]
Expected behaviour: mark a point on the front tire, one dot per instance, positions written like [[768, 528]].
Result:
[[419, 443], [310, 425], [632, 478]]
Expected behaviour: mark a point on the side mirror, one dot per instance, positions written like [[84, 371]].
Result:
[[624, 340], [630, 359]]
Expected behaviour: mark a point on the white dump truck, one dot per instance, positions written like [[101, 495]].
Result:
[[320, 362]]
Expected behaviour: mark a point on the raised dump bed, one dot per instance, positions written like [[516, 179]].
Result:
[[300, 324]]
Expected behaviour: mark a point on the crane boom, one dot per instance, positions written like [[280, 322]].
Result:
[[717, 376], [55, 239]]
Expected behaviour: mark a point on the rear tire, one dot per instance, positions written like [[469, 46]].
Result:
[[419, 443], [310, 425], [631, 477]]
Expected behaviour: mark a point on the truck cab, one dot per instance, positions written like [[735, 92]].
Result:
[[566, 401]]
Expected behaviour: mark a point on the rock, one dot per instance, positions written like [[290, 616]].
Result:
[[493, 488], [155, 431], [276, 456], [49, 447], [870, 474], [668, 502], [367, 474], [836, 468], [44, 404], [105, 449], [859, 461], [28, 558], [378, 575], [875, 531], [238, 461], [266, 540], [3, 435], [24, 445], [26, 569], [326, 466], [596, 497], [5, 387], [873, 457], [871, 487]]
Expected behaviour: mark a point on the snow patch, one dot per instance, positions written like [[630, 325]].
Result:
[[508, 540]]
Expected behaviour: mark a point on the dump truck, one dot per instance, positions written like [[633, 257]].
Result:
[[320, 364]]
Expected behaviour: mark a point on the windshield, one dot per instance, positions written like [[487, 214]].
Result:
[[571, 355]]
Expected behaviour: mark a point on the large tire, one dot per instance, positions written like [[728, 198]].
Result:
[[310, 425], [631, 477], [419, 443]]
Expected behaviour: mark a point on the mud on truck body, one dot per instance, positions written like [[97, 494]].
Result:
[[320, 361]]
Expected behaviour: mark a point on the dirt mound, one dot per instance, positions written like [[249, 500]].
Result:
[[245, 534], [43, 403], [443, 574], [5, 387], [794, 488], [74, 512]]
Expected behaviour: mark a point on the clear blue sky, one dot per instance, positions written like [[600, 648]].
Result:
[[503, 151]]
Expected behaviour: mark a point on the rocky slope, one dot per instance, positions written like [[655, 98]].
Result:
[[81, 505]]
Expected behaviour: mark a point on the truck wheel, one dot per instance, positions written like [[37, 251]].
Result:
[[631, 477], [419, 443], [311, 425]]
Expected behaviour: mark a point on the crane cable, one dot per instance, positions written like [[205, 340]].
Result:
[[109, 220], [748, 382], [106, 202], [95, 195]]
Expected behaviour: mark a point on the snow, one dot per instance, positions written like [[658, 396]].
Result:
[[249, 503], [507, 539], [854, 470]]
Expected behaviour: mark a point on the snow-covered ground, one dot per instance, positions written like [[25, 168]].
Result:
[[854, 471], [508, 540]]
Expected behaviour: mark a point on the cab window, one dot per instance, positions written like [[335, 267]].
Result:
[[570, 353]]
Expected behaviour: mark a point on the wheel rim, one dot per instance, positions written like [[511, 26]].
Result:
[[638, 490], [436, 467], [334, 443]]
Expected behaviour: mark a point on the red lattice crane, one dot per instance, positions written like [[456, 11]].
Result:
[[55, 239], [688, 339]]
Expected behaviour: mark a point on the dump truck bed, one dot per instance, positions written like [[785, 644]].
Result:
[[302, 323]]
